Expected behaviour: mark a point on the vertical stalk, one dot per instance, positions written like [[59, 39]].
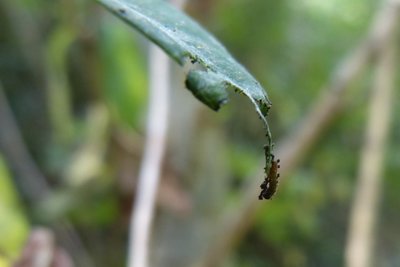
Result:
[[149, 175], [360, 242], [143, 211]]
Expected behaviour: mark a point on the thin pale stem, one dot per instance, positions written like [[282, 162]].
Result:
[[149, 175], [359, 248]]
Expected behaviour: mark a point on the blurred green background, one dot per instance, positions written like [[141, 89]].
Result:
[[74, 82]]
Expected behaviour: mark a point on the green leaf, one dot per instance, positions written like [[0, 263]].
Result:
[[208, 87], [183, 39]]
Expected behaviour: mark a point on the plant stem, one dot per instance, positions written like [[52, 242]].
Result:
[[149, 176], [143, 211], [359, 247]]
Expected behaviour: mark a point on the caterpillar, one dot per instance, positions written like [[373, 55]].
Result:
[[270, 184]]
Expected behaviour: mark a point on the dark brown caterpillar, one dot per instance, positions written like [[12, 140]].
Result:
[[270, 184]]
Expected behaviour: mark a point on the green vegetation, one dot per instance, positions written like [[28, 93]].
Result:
[[14, 226], [75, 78]]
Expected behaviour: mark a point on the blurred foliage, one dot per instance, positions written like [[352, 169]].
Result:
[[14, 226], [98, 65], [124, 72]]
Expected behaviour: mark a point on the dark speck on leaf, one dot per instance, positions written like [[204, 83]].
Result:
[[122, 11]]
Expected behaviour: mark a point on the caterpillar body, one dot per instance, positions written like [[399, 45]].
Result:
[[270, 184]]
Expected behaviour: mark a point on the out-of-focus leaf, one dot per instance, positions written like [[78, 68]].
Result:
[[123, 73], [13, 224], [183, 39]]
